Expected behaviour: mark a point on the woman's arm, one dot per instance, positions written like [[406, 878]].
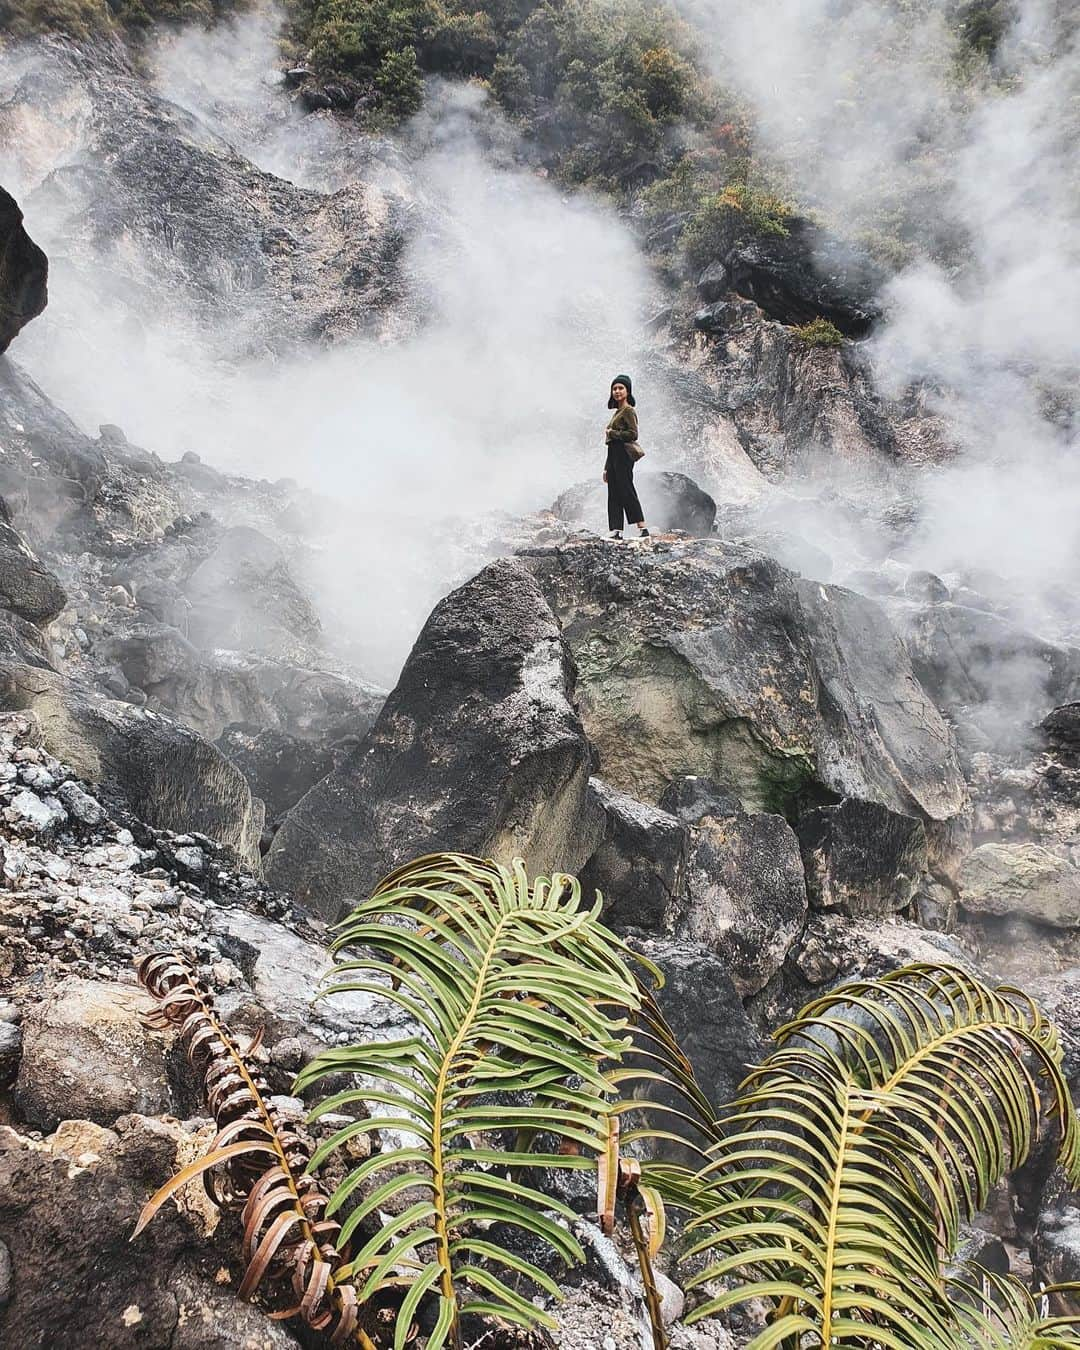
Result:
[[624, 427]]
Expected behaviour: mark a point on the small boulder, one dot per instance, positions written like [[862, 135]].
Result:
[[1025, 881], [1056, 1248], [87, 1056], [861, 858], [745, 894], [1061, 727], [639, 865], [27, 588], [671, 501]]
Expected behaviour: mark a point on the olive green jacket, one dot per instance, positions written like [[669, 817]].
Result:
[[623, 427]]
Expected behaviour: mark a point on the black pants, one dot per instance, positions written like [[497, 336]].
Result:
[[621, 494]]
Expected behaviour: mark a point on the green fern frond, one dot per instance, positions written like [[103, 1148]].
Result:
[[888, 1111], [998, 1313], [523, 1002]]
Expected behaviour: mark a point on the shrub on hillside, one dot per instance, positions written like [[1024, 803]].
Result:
[[724, 219], [820, 332], [399, 83], [76, 18]]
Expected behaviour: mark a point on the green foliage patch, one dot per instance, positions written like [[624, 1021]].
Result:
[[820, 332]]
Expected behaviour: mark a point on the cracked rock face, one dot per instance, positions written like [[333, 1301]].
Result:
[[129, 150]]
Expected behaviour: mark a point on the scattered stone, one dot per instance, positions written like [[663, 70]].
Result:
[[80, 804], [42, 814]]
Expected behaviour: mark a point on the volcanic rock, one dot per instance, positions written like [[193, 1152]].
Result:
[[1027, 881], [27, 587], [746, 897], [704, 658], [479, 748], [86, 1055], [639, 866], [76, 1279], [702, 1006], [24, 273], [861, 858], [169, 776], [1061, 728], [243, 596], [965, 656], [692, 798], [806, 274]]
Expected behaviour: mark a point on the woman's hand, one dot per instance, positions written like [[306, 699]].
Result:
[[605, 475]]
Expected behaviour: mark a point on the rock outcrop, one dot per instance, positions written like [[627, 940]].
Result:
[[709, 659], [24, 273], [167, 774], [478, 749], [270, 264], [800, 275]]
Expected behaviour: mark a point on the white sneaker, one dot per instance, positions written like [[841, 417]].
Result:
[[615, 534]]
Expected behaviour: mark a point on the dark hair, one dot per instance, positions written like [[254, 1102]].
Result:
[[622, 379]]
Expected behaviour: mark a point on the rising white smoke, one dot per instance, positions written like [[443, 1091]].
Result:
[[532, 300], [869, 107]]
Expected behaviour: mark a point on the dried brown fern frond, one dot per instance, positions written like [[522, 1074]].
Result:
[[257, 1162]]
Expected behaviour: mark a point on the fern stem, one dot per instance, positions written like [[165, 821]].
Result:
[[834, 1215], [438, 1178]]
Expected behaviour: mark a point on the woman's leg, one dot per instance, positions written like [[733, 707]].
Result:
[[634, 514], [614, 499]]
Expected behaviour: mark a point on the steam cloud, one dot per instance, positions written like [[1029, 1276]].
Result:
[[533, 300], [861, 106]]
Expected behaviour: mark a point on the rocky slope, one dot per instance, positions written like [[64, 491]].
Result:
[[776, 781]]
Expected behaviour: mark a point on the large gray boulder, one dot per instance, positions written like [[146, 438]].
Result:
[[972, 659], [168, 775], [704, 658], [478, 749], [671, 501], [24, 273]]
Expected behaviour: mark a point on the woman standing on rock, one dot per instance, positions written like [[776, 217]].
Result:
[[622, 431]]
